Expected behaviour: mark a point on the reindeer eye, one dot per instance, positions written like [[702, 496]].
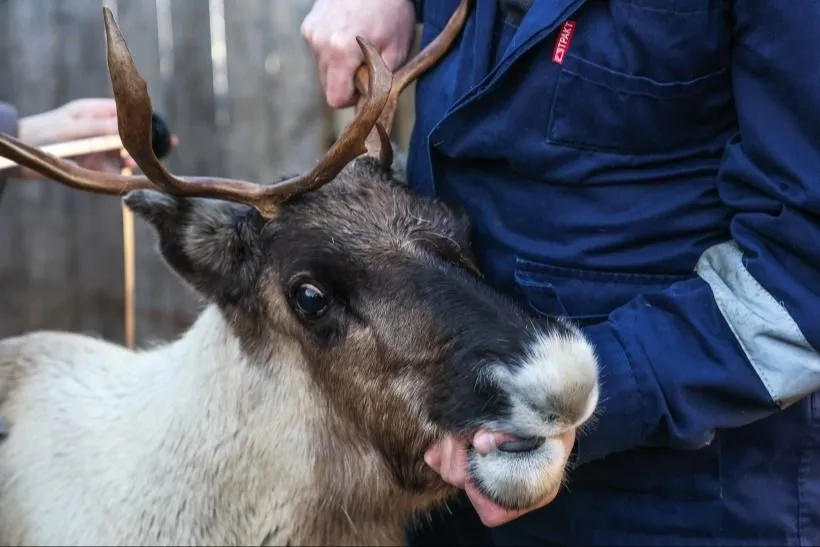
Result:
[[310, 300]]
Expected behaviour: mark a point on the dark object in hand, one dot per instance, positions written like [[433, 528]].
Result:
[[522, 444], [160, 135]]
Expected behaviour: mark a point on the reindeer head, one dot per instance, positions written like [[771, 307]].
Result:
[[373, 286]]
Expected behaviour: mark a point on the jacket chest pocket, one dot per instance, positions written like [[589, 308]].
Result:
[[644, 76], [436, 13]]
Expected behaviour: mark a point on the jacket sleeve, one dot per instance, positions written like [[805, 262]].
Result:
[[738, 342], [8, 119]]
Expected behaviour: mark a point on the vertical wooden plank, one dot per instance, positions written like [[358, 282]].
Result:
[[32, 266], [164, 305], [190, 100], [248, 43], [295, 95], [341, 117], [9, 245], [277, 123], [6, 50], [11, 267], [93, 240]]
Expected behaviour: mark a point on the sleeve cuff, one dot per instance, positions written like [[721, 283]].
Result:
[[9, 119], [619, 422], [419, 7]]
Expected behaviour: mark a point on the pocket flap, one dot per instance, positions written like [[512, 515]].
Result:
[[585, 296]]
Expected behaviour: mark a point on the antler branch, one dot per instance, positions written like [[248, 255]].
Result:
[[422, 62], [368, 133], [352, 141], [134, 103], [67, 173]]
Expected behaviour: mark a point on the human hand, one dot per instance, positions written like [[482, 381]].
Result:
[[330, 30], [76, 119], [449, 459]]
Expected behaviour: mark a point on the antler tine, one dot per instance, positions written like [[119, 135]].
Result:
[[89, 180], [134, 117], [69, 174], [423, 61], [351, 143], [134, 106], [134, 110]]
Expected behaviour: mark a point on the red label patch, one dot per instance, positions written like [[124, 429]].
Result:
[[563, 41]]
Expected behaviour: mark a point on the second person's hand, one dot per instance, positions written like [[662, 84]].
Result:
[[330, 30], [449, 459]]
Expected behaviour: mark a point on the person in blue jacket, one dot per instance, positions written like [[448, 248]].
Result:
[[650, 169]]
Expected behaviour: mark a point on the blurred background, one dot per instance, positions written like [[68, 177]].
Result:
[[236, 83]]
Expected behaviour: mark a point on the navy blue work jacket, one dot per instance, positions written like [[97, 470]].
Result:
[[651, 169]]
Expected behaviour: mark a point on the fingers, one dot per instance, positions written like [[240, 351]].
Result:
[[106, 162], [568, 440], [330, 30], [339, 71], [397, 52], [449, 459], [433, 457], [491, 515], [337, 57], [485, 441], [91, 127], [127, 160], [99, 107]]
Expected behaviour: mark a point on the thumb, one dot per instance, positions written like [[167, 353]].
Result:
[[485, 441], [432, 457]]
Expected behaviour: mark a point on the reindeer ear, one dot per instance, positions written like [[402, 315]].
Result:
[[211, 244]]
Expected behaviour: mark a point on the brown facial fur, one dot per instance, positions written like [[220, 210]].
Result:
[[374, 340], [370, 355]]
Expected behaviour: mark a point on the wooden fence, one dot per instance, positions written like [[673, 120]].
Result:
[[237, 84]]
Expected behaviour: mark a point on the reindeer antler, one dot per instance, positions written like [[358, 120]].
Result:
[[423, 61], [363, 135], [134, 110]]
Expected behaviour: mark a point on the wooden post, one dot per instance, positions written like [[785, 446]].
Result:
[[129, 270]]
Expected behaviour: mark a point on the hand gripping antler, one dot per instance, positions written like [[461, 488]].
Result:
[[134, 123], [422, 62], [134, 111]]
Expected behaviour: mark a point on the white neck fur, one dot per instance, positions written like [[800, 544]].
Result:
[[189, 443]]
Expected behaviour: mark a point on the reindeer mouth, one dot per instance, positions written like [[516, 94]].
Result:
[[509, 443], [518, 445]]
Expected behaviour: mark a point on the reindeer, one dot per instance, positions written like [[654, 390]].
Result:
[[346, 328]]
